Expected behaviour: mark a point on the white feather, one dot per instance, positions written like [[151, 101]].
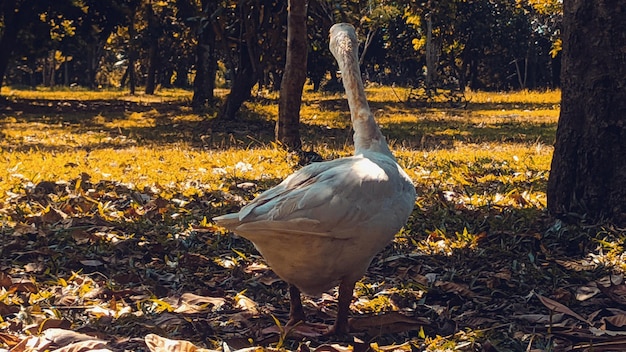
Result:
[[324, 223]]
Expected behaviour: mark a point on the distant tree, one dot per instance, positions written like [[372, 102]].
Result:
[[154, 32], [203, 21], [31, 21], [484, 44], [294, 77], [14, 15], [319, 59], [247, 70], [546, 18], [588, 173], [98, 19], [261, 50], [132, 47]]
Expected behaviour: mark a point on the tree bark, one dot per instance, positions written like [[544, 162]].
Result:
[[206, 63], [247, 74], [153, 50], [588, 173], [245, 79], [132, 52], [432, 49], [288, 124]]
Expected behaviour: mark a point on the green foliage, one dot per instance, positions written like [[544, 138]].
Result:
[[477, 40]]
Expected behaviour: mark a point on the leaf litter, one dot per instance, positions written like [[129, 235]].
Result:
[[96, 264]]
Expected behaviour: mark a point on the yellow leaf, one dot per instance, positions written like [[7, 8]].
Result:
[[241, 254], [161, 306]]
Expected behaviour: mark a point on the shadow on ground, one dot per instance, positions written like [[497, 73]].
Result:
[[173, 122]]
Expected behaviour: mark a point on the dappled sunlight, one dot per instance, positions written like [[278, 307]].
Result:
[[171, 168], [516, 97], [126, 190], [79, 93]]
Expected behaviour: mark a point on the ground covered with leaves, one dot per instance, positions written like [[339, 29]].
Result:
[[107, 243]]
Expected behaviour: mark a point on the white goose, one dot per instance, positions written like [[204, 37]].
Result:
[[324, 223]]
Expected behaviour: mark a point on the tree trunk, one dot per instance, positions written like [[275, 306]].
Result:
[[132, 53], [153, 59], [247, 74], [49, 69], [431, 54], [181, 80], [153, 50], [206, 63], [245, 79], [288, 124], [588, 172], [93, 60]]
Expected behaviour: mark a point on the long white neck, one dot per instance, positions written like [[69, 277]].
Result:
[[367, 135]]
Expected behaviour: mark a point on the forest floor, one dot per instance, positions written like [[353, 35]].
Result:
[[107, 244]]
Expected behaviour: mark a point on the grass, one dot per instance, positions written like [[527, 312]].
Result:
[[145, 171], [451, 148]]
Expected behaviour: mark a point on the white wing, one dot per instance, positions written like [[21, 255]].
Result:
[[331, 199]]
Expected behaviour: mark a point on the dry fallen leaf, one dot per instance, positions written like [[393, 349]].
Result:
[[558, 307], [5, 280], [386, 323], [91, 262], [32, 344], [8, 339], [453, 287], [63, 337], [602, 332], [49, 324], [616, 320], [85, 346], [617, 293], [618, 344], [541, 318], [157, 343], [333, 348], [247, 304], [192, 303], [583, 293]]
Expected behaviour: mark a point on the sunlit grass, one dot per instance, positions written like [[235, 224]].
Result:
[[168, 168], [78, 93], [480, 172], [501, 148], [516, 97], [494, 153]]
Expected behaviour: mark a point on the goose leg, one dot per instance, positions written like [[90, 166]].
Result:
[[346, 291], [296, 312]]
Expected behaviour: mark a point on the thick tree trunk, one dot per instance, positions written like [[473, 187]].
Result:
[[288, 124], [588, 176]]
